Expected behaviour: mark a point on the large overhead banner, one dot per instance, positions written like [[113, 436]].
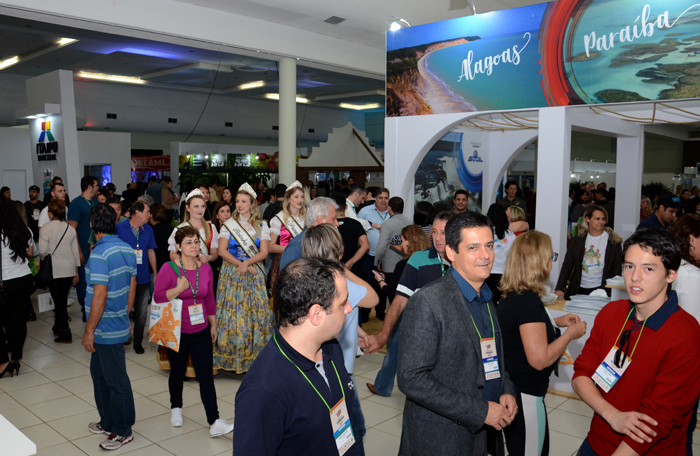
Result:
[[560, 53]]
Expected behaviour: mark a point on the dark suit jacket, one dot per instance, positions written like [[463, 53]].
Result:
[[442, 374]]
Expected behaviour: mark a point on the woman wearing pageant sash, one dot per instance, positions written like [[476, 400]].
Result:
[[243, 313], [286, 225]]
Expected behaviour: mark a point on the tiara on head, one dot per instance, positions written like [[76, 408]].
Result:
[[194, 193], [295, 184], [248, 189]]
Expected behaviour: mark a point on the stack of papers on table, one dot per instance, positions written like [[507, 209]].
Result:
[[585, 304], [617, 280]]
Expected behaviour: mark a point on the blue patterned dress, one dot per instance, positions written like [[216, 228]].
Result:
[[243, 312]]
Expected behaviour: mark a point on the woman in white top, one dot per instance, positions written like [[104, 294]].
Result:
[[195, 207], [58, 239], [503, 238], [686, 230], [244, 316], [16, 247], [285, 226]]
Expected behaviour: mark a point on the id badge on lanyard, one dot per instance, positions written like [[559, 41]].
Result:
[[592, 265], [489, 356], [196, 314], [139, 256], [608, 373], [342, 429]]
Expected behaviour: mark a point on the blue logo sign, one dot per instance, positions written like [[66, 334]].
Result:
[[475, 158]]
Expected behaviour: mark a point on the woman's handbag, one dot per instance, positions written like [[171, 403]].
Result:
[[3, 295], [45, 275]]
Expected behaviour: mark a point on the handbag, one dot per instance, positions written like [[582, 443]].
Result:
[[45, 275], [165, 325], [3, 295]]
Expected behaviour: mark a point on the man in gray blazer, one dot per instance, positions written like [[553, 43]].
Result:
[[458, 393]]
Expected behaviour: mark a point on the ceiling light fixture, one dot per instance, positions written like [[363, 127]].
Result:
[[252, 85], [109, 77], [9, 62], [276, 96], [65, 41], [360, 107], [398, 24]]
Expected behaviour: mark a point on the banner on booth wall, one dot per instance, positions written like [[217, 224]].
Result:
[[561, 53], [150, 163]]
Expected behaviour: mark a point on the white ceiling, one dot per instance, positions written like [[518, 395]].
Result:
[[366, 20]]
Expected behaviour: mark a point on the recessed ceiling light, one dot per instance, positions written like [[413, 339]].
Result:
[[110, 77], [65, 41], [9, 62], [276, 96], [398, 24], [360, 107], [251, 85]]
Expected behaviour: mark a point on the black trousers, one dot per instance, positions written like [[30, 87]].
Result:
[[59, 289], [14, 317], [200, 347]]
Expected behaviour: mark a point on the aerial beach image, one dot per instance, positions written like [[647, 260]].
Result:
[[474, 63], [657, 60]]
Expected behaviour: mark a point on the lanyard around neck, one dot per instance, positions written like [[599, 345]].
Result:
[[307, 378], [638, 338], [383, 217], [193, 290], [491, 317]]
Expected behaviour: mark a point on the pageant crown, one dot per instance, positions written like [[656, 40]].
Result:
[[248, 189]]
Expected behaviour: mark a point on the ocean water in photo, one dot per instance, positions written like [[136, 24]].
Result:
[[605, 17], [508, 86]]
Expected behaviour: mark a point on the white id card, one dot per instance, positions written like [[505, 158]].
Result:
[[342, 429], [489, 355], [592, 265], [196, 314], [608, 373], [139, 256], [35, 214]]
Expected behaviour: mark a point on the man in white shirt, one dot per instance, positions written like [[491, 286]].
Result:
[[356, 197], [58, 191]]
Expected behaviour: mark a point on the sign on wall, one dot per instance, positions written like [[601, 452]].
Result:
[[150, 163], [561, 53]]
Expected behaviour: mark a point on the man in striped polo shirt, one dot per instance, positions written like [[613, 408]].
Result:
[[111, 286]]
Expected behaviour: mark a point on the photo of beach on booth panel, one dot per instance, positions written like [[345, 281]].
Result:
[[615, 51], [455, 162]]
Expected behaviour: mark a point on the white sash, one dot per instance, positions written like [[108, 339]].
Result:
[[244, 239], [293, 228]]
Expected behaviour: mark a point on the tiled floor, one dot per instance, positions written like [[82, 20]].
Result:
[[51, 402]]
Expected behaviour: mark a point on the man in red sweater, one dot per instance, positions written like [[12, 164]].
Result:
[[640, 368]]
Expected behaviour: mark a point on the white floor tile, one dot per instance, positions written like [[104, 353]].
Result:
[[68, 370], [90, 445], [563, 444], [43, 436], [190, 396], [21, 418], [151, 450], [75, 426], [78, 385], [578, 407], [376, 413], [378, 443], [41, 393], [158, 428], [552, 401], [392, 426], [8, 403], [198, 442], [137, 371], [59, 408], [146, 408], [22, 381], [569, 423], [62, 449], [46, 361], [397, 399], [150, 385]]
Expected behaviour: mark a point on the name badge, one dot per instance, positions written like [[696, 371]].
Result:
[[196, 314], [139, 256], [342, 429], [489, 356], [35, 214], [592, 265], [608, 373]]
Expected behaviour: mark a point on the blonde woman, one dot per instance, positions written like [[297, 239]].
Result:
[[532, 341], [517, 220], [243, 312], [195, 208], [646, 208], [286, 225]]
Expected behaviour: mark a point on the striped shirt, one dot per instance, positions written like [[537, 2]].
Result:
[[112, 263]]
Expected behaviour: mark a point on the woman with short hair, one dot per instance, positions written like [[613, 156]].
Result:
[[532, 341], [58, 239]]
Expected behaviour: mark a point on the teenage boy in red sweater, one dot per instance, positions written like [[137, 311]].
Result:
[[640, 368]]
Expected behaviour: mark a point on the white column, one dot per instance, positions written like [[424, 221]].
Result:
[[554, 149], [628, 182], [288, 121]]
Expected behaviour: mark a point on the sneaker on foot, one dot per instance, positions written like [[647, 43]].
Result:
[[176, 417], [220, 427], [114, 442], [96, 428]]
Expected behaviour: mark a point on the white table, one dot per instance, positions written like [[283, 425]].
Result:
[[14, 443]]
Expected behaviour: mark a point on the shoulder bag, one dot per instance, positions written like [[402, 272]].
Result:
[[3, 295], [45, 275]]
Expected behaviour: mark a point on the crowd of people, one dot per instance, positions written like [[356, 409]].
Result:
[[277, 283]]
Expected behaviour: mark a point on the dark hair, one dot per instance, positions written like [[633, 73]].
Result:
[[691, 206], [373, 190], [153, 179], [381, 190], [104, 192], [203, 185], [56, 184], [266, 195], [185, 232], [3, 190], [56, 178], [14, 230], [86, 182], [280, 190], [103, 218], [137, 206], [339, 199], [660, 242], [462, 192], [158, 213], [303, 283], [602, 192], [114, 200], [442, 206], [459, 222], [125, 206], [215, 212], [444, 216], [509, 183], [166, 179], [423, 214], [499, 218], [682, 229], [396, 204], [578, 193], [58, 208], [358, 189]]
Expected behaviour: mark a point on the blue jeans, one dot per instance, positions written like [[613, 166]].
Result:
[[113, 395], [384, 383], [360, 428]]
